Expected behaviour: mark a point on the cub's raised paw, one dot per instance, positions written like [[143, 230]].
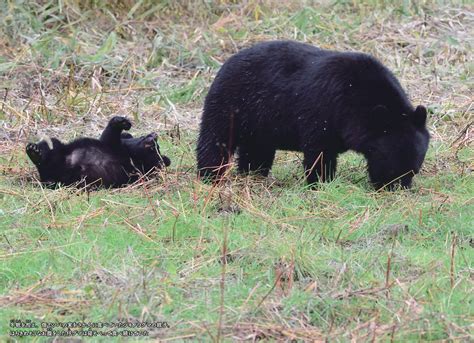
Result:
[[120, 123], [34, 153]]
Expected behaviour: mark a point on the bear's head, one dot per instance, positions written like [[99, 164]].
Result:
[[397, 146], [145, 153]]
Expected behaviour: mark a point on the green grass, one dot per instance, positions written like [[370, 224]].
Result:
[[255, 258]]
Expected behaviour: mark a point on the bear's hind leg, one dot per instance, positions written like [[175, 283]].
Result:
[[213, 155], [34, 153], [319, 166], [255, 158]]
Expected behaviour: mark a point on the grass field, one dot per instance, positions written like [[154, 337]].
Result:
[[256, 258]]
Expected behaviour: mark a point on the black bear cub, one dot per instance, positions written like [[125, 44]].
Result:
[[293, 96], [113, 160]]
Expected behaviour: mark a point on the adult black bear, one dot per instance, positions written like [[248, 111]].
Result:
[[105, 162], [293, 96]]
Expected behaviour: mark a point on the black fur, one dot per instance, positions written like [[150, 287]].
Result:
[[145, 152], [89, 162], [293, 96]]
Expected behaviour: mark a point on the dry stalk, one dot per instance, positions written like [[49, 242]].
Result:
[[222, 283], [452, 262]]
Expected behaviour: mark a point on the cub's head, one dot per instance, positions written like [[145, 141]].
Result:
[[145, 152], [396, 147]]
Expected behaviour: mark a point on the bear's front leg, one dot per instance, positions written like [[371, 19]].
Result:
[[319, 166]]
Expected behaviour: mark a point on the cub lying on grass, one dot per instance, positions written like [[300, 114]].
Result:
[[293, 96], [113, 160]]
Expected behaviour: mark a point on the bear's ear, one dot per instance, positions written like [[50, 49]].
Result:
[[419, 116]]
